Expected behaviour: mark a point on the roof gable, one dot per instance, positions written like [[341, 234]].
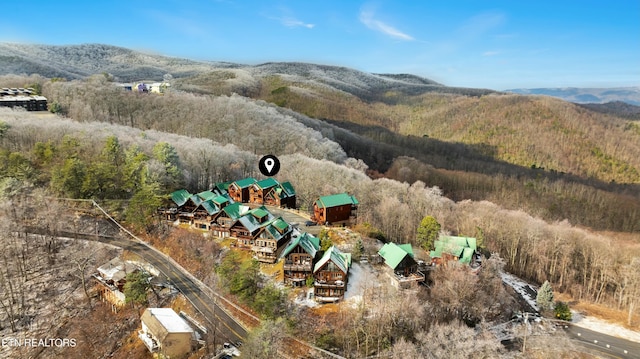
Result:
[[235, 210], [394, 254], [333, 254], [210, 206], [307, 242]]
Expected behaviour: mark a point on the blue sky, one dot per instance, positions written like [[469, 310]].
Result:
[[487, 44]]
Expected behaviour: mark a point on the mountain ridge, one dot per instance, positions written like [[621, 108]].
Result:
[[583, 95]]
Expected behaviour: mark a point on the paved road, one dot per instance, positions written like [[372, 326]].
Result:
[[226, 329], [295, 217], [609, 346]]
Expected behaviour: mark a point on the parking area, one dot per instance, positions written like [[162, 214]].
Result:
[[296, 218]]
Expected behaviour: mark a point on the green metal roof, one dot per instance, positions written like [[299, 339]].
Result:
[[244, 183], [288, 188], [267, 183], [333, 254], [220, 200], [276, 230], [206, 195], [210, 207], [251, 219], [223, 186], [260, 212], [393, 254], [461, 247], [233, 210], [309, 244], [336, 200], [180, 197], [280, 224], [196, 200]]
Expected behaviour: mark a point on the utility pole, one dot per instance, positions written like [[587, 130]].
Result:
[[526, 329]]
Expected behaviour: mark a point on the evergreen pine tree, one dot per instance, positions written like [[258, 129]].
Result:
[[544, 299]]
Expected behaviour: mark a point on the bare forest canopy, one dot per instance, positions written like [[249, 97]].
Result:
[[73, 158]]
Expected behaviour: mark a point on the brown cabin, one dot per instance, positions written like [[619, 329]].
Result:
[[333, 209], [282, 195], [271, 240], [239, 190], [258, 190], [299, 257], [331, 275]]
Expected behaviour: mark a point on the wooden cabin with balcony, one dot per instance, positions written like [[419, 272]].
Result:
[[331, 275], [283, 195], [208, 211], [403, 268], [258, 190], [247, 227], [338, 208], [299, 257], [239, 190], [222, 221], [271, 240]]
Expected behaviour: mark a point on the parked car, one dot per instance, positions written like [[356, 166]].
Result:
[[230, 349]]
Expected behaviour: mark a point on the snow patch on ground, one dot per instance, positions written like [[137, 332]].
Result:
[[602, 326], [526, 291], [306, 299], [361, 277]]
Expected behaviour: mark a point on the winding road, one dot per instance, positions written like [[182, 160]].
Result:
[[226, 329]]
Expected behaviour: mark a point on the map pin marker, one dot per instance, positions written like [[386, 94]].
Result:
[[269, 163]]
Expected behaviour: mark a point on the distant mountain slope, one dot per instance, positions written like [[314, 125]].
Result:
[[629, 95], [78, 61], [617, 108]]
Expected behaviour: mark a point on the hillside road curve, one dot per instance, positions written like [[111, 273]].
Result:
[[226, 329], [603, 344]]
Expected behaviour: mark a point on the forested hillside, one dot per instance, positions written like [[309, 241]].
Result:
[[547, 185], [226, 134]]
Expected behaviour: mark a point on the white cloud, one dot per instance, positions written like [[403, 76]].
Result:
[[288, 19], [293, 22], [367, 18]]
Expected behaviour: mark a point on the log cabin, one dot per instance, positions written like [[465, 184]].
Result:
[[335, 209], [207, 211], [271, 240], [222, 221], [239, 190], [282, 195], [404, 268], [453, 248], [258, 190], [248, 226], [331, 275], [299, 257]]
